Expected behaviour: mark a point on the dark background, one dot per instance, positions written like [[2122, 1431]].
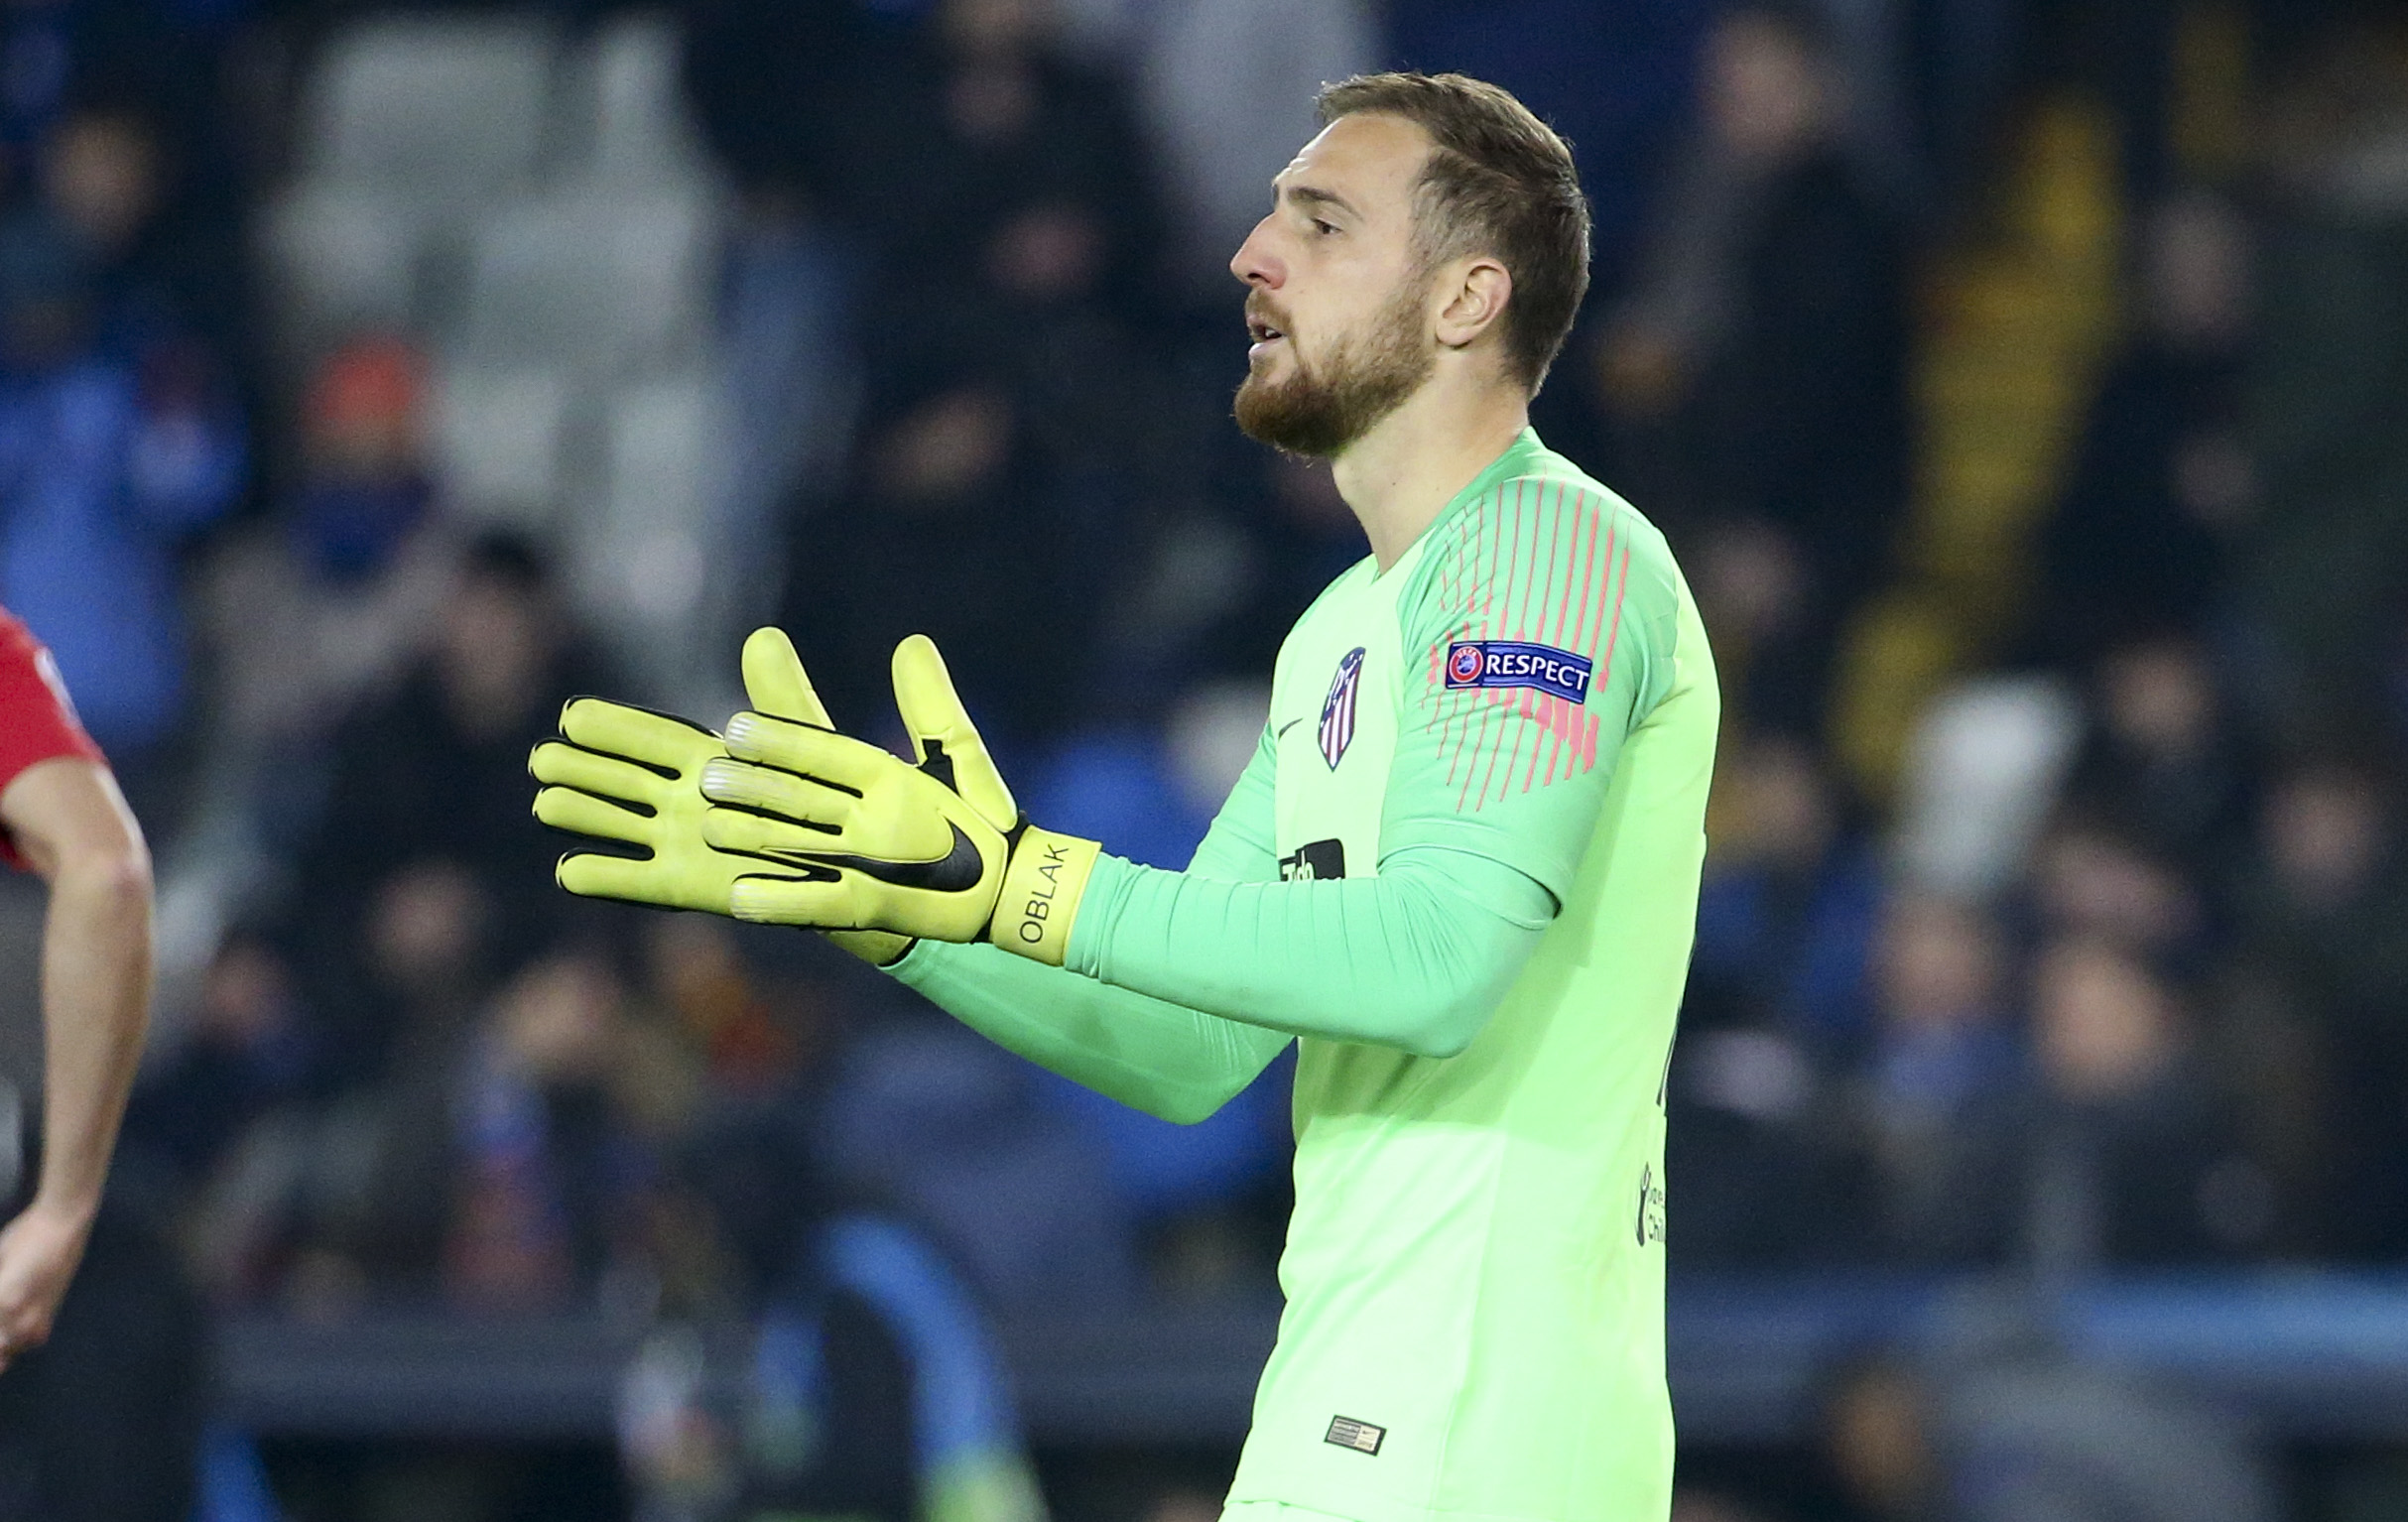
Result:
[[2020, 384]]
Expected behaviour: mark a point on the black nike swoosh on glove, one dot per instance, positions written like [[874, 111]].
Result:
[[958, 871]]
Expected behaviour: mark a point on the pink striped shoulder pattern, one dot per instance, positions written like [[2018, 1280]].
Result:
[[1536, 561]]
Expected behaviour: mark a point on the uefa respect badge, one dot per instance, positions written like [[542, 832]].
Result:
[[1513, 663]]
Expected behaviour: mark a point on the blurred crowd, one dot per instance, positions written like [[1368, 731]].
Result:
[[2103, 964]]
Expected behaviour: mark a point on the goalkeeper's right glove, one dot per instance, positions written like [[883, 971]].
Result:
[[936, 849]]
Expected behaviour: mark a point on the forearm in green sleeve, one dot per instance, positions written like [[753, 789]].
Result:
[[1157, 1057], [1414, 957]]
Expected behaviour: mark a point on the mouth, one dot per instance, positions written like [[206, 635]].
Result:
[[1264, 333]]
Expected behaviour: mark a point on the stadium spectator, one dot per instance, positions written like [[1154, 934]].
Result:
[[59, 56], [1025, 160], [2319, 565], [246, 1052], [2164, 757], [1005, 411], [106, 468], [173, 289], [1755, 369], [225, 1119], [2131, 1157], [951, 467], [563, 1091], [334, 595], [1001, 456], [2328, 884], [506, 1167], [566, 1099], [773, 88], [1774, 1011], [1159, 789], [1755, 586], [371, 1212], [2091, 879], [1791, 898], [1936, 1104], [1756, 1142], [2162, 476], [505, 1157], [2323, 944], [423, 846]]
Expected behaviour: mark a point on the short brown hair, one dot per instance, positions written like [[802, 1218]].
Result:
[[1499, 181]]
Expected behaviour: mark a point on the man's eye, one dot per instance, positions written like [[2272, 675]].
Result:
[[1323, 227]]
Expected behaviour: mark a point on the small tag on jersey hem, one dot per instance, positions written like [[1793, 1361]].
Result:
[[1361, 1436], [1514, 663]]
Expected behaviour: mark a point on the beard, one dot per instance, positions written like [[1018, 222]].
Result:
[[1316, 412]]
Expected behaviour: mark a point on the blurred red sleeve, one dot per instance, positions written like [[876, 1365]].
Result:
[[37, 717]]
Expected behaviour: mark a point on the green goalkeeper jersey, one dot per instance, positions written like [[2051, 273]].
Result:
[[1475, 1268], [1484, 774]]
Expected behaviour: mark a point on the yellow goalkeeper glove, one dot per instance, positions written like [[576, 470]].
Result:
[[936, 849], [629, 776]]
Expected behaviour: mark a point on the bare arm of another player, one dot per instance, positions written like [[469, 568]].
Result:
[[70, 823]]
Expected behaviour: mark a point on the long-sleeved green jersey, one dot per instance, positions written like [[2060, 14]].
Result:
[[1461, 872]]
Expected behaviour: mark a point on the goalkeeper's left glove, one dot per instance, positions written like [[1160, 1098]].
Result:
[[627, 777], [936, 849]]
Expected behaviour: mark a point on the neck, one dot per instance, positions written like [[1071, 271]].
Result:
[[1411, 463]]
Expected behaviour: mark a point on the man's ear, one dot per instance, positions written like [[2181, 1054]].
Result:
[[1473, 299]]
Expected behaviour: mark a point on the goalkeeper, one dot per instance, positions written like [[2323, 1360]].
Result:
[[1460, 871]]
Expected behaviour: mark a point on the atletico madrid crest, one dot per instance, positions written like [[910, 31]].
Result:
[[1337, 710]]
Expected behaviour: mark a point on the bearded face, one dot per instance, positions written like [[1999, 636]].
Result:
[[1323, 405]]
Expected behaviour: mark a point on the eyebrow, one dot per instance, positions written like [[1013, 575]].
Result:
[[1312, 196]]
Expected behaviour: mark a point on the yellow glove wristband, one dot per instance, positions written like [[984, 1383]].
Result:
[[1041, 886]]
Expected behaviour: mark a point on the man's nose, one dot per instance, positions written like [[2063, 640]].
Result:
[[1255, 264]]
